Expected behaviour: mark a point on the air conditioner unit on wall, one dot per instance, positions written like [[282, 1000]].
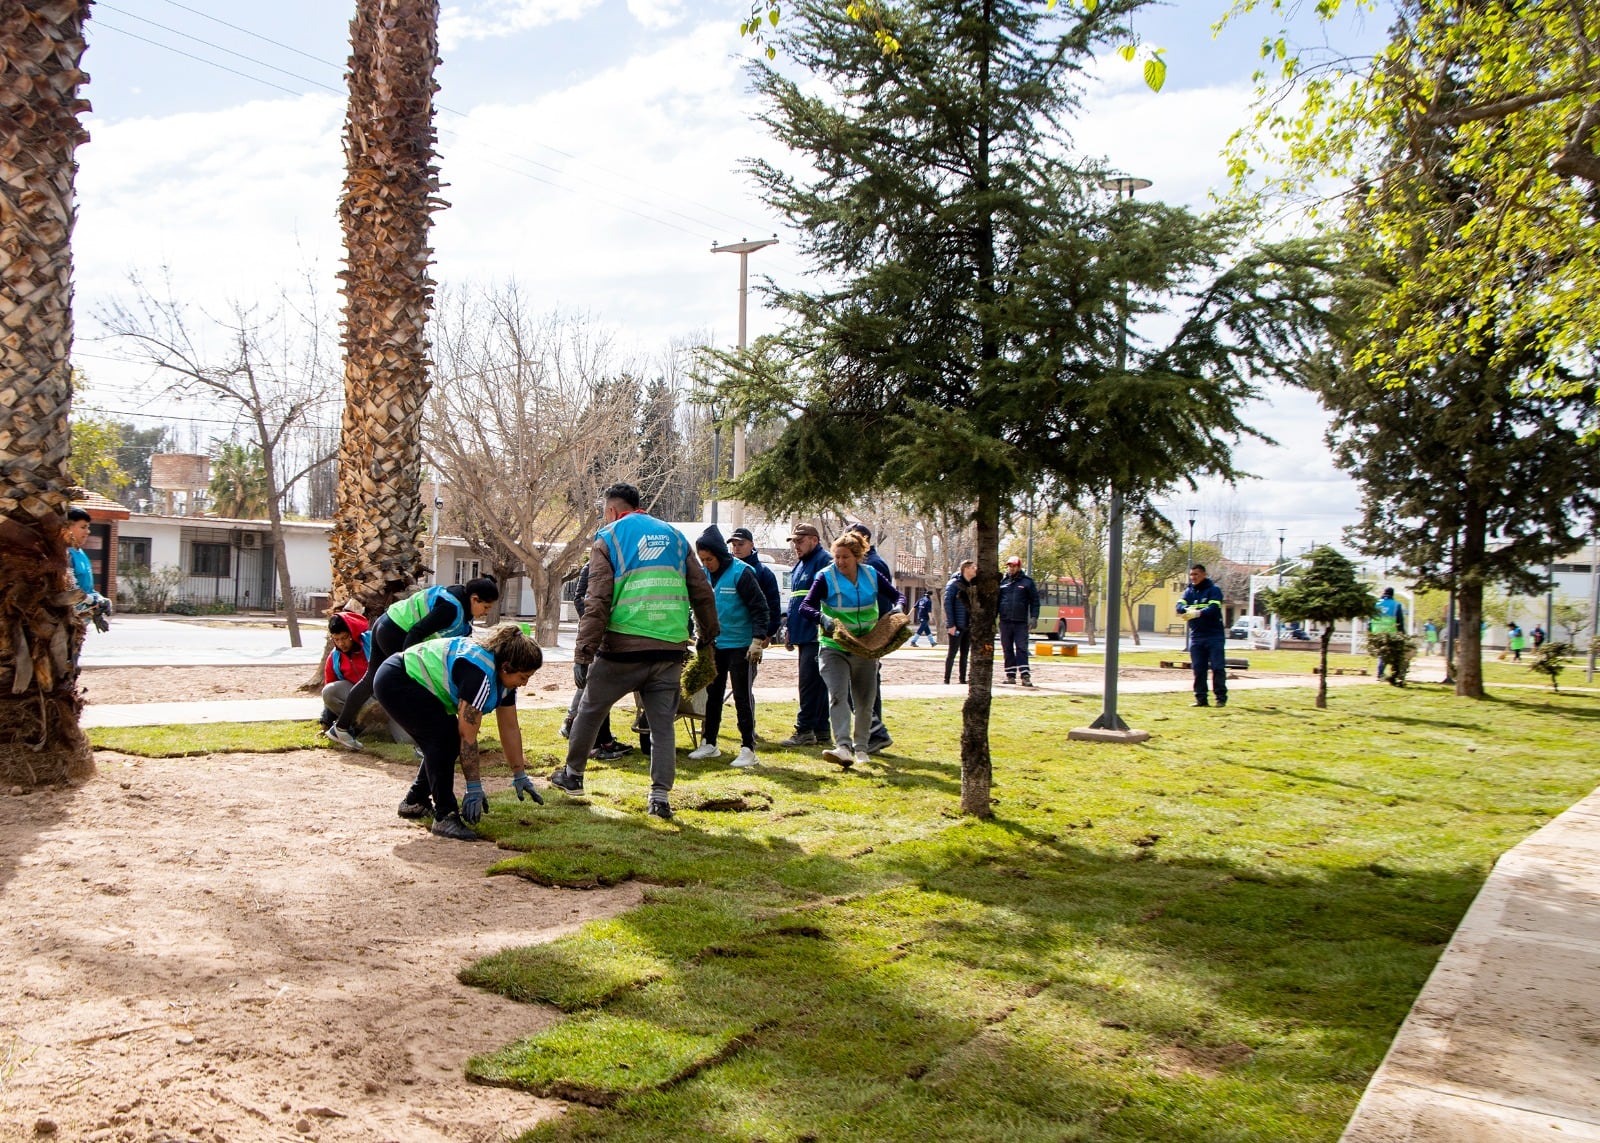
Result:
[[250, 541]]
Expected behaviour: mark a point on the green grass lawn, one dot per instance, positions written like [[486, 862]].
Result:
[[1210, 937]]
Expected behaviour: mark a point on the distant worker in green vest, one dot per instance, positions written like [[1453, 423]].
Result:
[[644, 581], [1388, 619], [432, 613], [439, 690]]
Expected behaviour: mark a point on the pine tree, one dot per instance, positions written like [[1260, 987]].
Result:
[[1323, 591], [966, 354]]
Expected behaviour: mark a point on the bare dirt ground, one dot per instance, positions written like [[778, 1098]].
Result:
[[243, 947], [103, 685]]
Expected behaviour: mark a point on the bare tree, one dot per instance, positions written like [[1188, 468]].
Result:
[[271, 372], [529, 419]]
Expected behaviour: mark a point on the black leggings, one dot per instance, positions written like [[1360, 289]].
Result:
[[734, 666], [388, 638], [958, 643], [432, 726]]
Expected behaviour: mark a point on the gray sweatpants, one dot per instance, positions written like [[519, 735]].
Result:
[[852, 681], [658, 684]]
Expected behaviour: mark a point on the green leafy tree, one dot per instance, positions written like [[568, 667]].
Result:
[[135, 447], [96, 444], [966, 352], [1324, 590], [1152, 558], [1502, 93], [1495, 444], [238, 488]]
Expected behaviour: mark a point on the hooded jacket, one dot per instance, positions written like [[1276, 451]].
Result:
[[351, 667], [741, 604]]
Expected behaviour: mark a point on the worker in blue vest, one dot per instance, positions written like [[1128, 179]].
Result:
[[741, 638], [1208, 636], [432, 613], [439, 690], [644, 581]]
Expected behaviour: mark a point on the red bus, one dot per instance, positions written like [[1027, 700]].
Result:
[[1062, 610]]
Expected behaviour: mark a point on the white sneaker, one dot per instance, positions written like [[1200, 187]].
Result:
[[342, 738], [862, 758], [747, 757], [705, 750], [840, 755]]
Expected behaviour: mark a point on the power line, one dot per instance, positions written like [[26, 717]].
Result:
[[744, 223]]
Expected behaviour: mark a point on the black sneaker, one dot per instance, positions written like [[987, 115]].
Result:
[[415, 810], [799, 738], [564, 779], [1199, 702], [878, 745], [452, 827], [658, 808], [611, 751]]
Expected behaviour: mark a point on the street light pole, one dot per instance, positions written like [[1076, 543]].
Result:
[[1109, 727], [744, 249], [1193, 513]]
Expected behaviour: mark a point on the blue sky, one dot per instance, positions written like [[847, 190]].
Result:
[[592, 150]]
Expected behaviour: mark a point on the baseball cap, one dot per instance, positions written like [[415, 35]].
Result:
[[805, 530], [742, 534], [1014, 560]]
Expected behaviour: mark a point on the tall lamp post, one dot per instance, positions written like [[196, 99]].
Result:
[[1193, 514], [1109, 727], [744, 249]]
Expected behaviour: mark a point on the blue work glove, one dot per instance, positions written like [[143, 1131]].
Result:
[[474, 805], [523, 785]]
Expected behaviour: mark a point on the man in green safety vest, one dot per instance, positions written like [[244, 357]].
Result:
[[644, 581], [1389, 618]]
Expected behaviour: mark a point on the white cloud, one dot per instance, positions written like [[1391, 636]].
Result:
[[492, 19], [656, 13]]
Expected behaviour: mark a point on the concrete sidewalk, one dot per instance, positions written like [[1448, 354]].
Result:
[[309, 706], [1503, 1044]]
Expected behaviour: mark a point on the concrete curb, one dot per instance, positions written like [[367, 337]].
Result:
[[1501, 1044]]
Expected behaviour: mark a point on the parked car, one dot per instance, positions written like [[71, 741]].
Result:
[[1245, 626]]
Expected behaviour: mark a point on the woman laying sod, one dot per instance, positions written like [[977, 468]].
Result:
[[439, 692], [432, 613], [849, 594]]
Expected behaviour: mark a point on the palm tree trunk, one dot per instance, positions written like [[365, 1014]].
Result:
[[41, 44], [390, 193]]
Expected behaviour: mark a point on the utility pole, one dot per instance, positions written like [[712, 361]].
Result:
[[744, 249]]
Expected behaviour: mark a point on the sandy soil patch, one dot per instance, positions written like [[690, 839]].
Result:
[[254, 947]]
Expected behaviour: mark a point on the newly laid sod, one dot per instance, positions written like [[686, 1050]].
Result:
[[1210, 937]]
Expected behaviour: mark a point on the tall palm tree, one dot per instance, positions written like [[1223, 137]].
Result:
[[390, 193], [41, 44]]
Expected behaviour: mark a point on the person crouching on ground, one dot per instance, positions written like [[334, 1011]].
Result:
[[743, 619], [849, 593], [439, 691], [432, 613], [346, 664]]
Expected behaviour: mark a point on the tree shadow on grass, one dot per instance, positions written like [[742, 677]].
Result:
[[1002, 958]]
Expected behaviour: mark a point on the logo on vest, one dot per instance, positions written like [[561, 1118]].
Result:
[[651, 546]]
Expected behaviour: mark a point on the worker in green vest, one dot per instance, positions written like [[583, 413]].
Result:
[[439, 690], [432, 613], [644, 582]]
